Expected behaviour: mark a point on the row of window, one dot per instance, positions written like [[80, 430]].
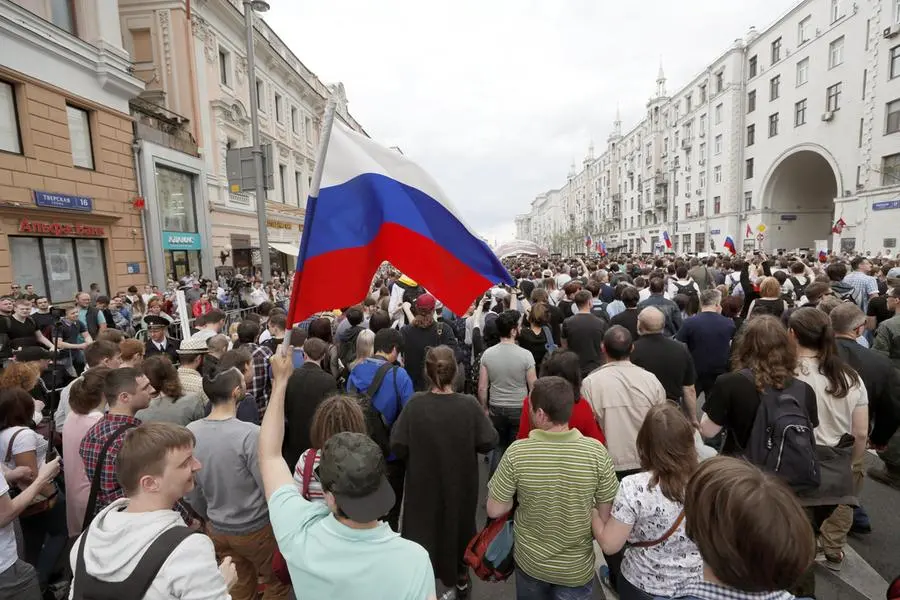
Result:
[[79, 128], [225, 78]]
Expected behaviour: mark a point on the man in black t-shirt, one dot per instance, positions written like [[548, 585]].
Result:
[[42, 317], [21, 330], [583, 333]]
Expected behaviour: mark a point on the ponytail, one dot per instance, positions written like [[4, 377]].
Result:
[[813, 330]]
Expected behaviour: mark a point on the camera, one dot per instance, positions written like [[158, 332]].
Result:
[[57, 313]]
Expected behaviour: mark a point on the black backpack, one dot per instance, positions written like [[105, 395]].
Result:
[[376, 424], [88, 587], [781, 440], [687, 290], [799, 288]]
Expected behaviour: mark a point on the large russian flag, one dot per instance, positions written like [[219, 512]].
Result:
[[376, 205]]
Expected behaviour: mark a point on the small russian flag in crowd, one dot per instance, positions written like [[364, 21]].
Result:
[[375, 205], [602, 248], [588, 242], [666, 239], [729, 243], [823, 255]]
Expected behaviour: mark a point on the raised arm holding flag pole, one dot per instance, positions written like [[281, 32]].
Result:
[[368, 204]]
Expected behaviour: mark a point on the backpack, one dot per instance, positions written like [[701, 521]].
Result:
[[550, 346], [88, 587], [377, 427], [799, 289], [490, 552], [599, 311], [781, 440], [687, 289]]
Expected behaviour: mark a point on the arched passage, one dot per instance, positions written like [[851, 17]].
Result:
[[799, 199]]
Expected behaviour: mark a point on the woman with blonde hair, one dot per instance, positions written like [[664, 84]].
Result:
[[438, 435], [648, 512], [770, 301], [365, 347]]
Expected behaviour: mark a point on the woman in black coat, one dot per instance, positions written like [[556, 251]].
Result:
[[439, 435]]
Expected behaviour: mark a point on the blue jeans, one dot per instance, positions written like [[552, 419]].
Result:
[[506, 422], [529, 588], [629, 591]]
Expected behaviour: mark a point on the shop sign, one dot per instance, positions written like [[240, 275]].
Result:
[[178, 240], [279, 225], [715, 231], [63, 201], [886, 205], [60, 229], [788, 217]]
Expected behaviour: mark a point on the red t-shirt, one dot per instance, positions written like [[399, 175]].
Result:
[[582, 419]]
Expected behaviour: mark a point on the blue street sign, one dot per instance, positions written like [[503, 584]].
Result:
[[715, 231], [886, 205], [133, 268], [63, 201]]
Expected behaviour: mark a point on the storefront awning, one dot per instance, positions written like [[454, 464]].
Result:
[[289, 249]]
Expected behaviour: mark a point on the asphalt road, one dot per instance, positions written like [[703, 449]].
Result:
[[872, 560]]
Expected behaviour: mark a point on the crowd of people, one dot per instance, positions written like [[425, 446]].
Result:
[[641, 408]]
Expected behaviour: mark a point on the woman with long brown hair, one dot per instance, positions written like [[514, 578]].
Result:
[[439, 435], [172, 405], [763, 356], [843, 410], [648, 512]]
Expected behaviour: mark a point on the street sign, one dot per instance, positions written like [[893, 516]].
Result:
[[63, 201], [242, 175], [761, 228], [760, 237]]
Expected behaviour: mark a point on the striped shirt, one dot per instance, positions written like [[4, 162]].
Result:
[[558, 477], [315, 491]]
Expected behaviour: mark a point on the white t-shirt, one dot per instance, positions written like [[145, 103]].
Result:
[[26, 441], [8, 552], [660, 569], [835, 414]]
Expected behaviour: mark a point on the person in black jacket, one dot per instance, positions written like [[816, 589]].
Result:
[[882, 383], [423, 333], [160, 342], [307, 387]]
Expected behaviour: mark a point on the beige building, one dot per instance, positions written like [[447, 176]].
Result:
[[67, 178]]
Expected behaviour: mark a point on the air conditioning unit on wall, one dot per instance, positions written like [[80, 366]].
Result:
[[827, 115]]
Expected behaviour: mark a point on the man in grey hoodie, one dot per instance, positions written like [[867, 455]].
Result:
[[156, 467]]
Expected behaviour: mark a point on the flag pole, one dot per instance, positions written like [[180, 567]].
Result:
[[314, 186]]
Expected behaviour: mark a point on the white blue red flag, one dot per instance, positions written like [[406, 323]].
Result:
[[729, 244], [666, 239], [588, 242], [376, 205]]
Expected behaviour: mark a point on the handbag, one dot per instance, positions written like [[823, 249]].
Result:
[[279, 564], [41, 502]]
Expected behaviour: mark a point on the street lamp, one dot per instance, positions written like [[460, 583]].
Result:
[[251, 6]]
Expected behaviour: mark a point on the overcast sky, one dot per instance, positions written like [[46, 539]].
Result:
[[496, 98]]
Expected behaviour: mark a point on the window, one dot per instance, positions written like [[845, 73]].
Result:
[[890, 170], [307, 122], [895, 62], [688, 101], [279, 113], [717, 205], [718, 114], [703, 124], [175, 193], [703, 94], [893, 117], [141, 46], [751, 135], [701, 208], [62, 14], [774, 87], [802, 71], [717, 145], [9, 122], [720, 81], [800, 113], [748, 200], [862, 127], [687, 185], [773, 125], [717, 174], [261, 95], [282, 183], [58, 267], [776, 51], [836, 12], [751, 101], [224, 67], [833, 98], [298, 184], [803, 30], [836, 52], [675, 190], [749, 169], [676, 216], [295, 120], [865, 79], [80, 137], [754, 66]]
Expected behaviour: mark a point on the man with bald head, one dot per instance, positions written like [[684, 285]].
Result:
[[669, 360]]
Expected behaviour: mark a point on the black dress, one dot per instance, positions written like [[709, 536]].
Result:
[[439, 436]]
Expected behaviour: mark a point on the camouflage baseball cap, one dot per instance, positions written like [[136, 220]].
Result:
[[352, 468]]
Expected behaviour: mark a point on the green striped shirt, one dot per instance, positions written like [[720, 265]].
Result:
[[558, 477]]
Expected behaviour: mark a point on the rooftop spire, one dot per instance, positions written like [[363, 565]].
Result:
[[660, 81]]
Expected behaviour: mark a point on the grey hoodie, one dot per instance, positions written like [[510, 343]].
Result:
[[116, 541]]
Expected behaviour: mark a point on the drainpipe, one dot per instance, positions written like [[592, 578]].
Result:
[[136, 150]]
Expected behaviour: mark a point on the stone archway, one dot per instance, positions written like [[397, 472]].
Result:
[[798, 198]]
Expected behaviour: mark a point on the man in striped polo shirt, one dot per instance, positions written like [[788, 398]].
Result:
[[558, 476]]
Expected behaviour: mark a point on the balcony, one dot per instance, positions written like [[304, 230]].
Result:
[[686, 144], [161, 126]]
